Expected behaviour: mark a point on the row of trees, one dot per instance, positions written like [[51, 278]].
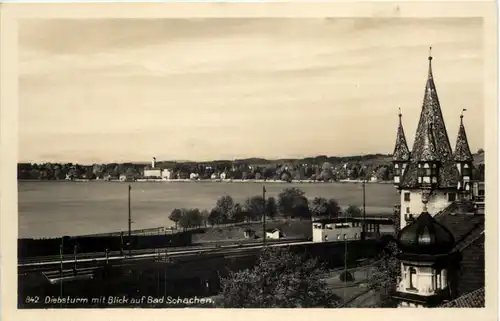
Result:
[[291, 203]]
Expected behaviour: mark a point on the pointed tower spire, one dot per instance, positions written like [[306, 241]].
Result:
[[429, 152], [462, 150], [401, 150], [431, 127]]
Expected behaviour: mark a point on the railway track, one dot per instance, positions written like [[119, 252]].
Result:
[[147, 253]]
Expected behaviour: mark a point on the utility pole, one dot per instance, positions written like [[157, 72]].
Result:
[[74, 256], [364, 210], [129, 224], [61, 249], [264, 215]]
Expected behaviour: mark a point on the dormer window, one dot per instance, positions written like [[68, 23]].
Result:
[[428, 173], [466, 171]]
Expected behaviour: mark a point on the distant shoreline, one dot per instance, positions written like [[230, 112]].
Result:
[[145, 180]]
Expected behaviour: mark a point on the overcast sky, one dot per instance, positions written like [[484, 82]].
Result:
[[127, 90]]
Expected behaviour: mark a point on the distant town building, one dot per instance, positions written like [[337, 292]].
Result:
[[166, 174]]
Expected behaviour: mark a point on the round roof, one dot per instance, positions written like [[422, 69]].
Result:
[[425, 236]]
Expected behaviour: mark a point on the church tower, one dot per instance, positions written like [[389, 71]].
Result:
[[428, 176]]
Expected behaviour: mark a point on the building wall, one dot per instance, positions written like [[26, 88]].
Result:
[[336, 234], [438, 201], [152, 173], [426, 281], [166, 174], [275, 235], [317, 233]]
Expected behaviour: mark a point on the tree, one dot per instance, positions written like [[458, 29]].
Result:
[[386, 273], [333, 208], [238, 213], [285, 176], [281, 279], [292, 202], [175, 216], [353, 211], [326, 172], [319, 206], [254, 207], [204, 215], [215, 217], [225, 206], [190, 218], [271, 207]]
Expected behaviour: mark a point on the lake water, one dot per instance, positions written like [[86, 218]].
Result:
[[48, 209]]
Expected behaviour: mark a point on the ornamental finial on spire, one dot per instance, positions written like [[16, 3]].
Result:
[[430, 53]]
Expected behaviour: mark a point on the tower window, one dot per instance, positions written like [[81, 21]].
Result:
[[412, 274], [407, 197], [452, 197], [407, 210]]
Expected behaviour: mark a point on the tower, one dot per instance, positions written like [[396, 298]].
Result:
[[153, 163], [428, 182], [428, 263], [401, 155], [463, 160]]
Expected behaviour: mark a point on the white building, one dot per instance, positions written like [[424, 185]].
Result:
[[331, 230], [274, 234], [153, 171], [166, 174]]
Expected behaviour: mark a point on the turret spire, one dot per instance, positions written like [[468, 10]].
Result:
[[462, 150], [431, 124], [401, 150]]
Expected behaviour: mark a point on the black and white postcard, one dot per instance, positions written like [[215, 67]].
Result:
[[218, 156]]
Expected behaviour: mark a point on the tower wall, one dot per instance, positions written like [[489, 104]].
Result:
[[438, 201]]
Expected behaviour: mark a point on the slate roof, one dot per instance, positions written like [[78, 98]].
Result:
[[462, 151], [474, 299], [401, 150], [468, 231], [462, 226], [425, 236], [431, 141]]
